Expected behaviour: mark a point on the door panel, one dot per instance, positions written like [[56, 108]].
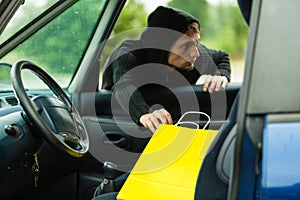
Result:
[[112, 132]]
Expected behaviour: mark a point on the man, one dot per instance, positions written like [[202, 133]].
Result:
[[168, 54]]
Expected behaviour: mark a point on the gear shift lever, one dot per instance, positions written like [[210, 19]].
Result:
[[110, 170], [110, 173]]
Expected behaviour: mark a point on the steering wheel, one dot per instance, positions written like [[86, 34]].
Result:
[[56, 118]]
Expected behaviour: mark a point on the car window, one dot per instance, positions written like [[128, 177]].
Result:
[[4, 76], [52, 48], [24, 16], [222, 27]]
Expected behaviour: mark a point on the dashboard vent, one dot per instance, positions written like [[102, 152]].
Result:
[[11, 100]]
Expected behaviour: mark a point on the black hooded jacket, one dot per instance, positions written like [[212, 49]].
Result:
[[136, 63]]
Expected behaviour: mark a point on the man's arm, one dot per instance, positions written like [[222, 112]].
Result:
[[131, 100], [125, 91], [129, 96], [214, 68]]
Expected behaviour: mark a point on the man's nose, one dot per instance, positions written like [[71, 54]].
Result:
[[195, 52]]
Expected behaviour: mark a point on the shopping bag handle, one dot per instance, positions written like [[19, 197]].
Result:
[[189, 122]]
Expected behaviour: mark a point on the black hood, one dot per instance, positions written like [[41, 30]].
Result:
[[164, 26], [170, 18]]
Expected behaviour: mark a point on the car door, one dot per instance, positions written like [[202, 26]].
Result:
[[114, 132], [266, 149]]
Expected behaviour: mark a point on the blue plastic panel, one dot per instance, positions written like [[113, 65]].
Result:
[[281, 161]]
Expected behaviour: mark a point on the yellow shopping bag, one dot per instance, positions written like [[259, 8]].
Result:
[[169, 165]]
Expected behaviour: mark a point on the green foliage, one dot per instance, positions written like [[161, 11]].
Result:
[[229, 31], [130, 24], [198, 9], [132, 17], [58, 46], [4, 73]]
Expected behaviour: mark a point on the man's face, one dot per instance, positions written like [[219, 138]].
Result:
[[183, 52]]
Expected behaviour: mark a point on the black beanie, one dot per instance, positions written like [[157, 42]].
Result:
[[165, 25], [171, 18]]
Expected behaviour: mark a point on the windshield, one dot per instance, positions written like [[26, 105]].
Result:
[[57, 47], [24, 16]]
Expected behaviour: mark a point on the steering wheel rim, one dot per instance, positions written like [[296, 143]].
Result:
[[58, 140]]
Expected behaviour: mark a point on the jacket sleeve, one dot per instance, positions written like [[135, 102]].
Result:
[[125, 90], [215, 62]]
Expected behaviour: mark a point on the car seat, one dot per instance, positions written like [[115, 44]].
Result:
[[214, 176]]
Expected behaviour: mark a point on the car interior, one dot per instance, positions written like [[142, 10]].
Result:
[[39, 163]]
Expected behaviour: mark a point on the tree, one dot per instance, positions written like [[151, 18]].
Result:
[[132, 17], [199, 9], [131, 21]]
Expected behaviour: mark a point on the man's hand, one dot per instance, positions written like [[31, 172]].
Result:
[[213, 83], [152, 120]]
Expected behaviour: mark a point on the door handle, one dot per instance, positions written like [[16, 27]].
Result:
[[122, 142], [116, 139]]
